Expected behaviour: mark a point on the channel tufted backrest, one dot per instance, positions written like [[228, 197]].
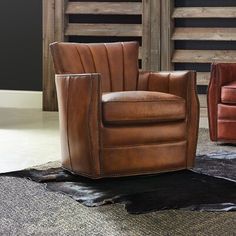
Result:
[[117, 62]]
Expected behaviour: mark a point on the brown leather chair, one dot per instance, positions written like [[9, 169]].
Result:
[[222, 102], [117, 121]]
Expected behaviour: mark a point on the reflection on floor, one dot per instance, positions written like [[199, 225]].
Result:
[[31, 137], [27, 138]]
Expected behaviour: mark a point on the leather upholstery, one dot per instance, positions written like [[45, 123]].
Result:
[[222, 102], [228, 93], [116, 62], [118, 121], [150, 107]]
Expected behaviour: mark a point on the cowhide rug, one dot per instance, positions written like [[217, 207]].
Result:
[[210, 186]]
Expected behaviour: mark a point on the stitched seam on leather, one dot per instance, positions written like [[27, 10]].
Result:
[[56, 58], [123, 62], [109, 67], [146, 118], [149, 145], [67, 114], [217, 77], [88, 126], [146, 144], [80, 58], [148, 101], [92, 58], [210, 108], [137, 71], [169, 83], [100, 141], [188, 117]]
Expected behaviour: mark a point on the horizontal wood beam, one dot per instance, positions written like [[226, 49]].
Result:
[[203, 56], [213, 34], [134, 30], [105, 8], [204, 12]]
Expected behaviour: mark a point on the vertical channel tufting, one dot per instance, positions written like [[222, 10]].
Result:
[[87, 58], [115, 59], [70, 60], [99, 55], [77, 49], [109, 68], [131, 65], [123, 68]]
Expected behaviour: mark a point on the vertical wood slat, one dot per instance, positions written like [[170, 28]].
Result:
[[49, 94], [151, 11], [155, 63], [55, 21], [167, 26], [53, 30], [146, 38]]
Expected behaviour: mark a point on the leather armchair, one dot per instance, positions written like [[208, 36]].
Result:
[[222, 102], [118, 121]]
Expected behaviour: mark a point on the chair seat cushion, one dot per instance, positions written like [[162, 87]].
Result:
[[228, 93], [134, 107]]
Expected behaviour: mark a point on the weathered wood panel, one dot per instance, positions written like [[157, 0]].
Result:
[[104, 29], [155, 47], [146, 34], [204, 56], [167, 26], [151, 29], [104, 8], [212, 34], [49, 91], [204, 12]]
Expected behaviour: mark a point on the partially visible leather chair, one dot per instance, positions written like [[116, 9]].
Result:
[[117, 121], [222, 102]]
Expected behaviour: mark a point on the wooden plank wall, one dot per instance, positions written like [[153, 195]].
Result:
[[173, 34], [97, 21], [199, 33], [53, 30]]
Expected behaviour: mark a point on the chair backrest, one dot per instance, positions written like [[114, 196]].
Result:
[[116, 62]]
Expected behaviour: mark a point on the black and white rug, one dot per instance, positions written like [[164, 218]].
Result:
[[210, 186]]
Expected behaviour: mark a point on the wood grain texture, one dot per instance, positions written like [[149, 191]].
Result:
[[204, 56], [167, 26], [151, 31], [204, 12], [104, 8], [49, 91], [104, 29], [155, 47], [146, 34], [212, 34]]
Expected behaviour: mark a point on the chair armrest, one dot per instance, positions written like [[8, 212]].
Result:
[[79, 102], [221, 74], [179, 83], [182, 84]]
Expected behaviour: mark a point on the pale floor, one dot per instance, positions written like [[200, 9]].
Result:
[[31, 137]]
